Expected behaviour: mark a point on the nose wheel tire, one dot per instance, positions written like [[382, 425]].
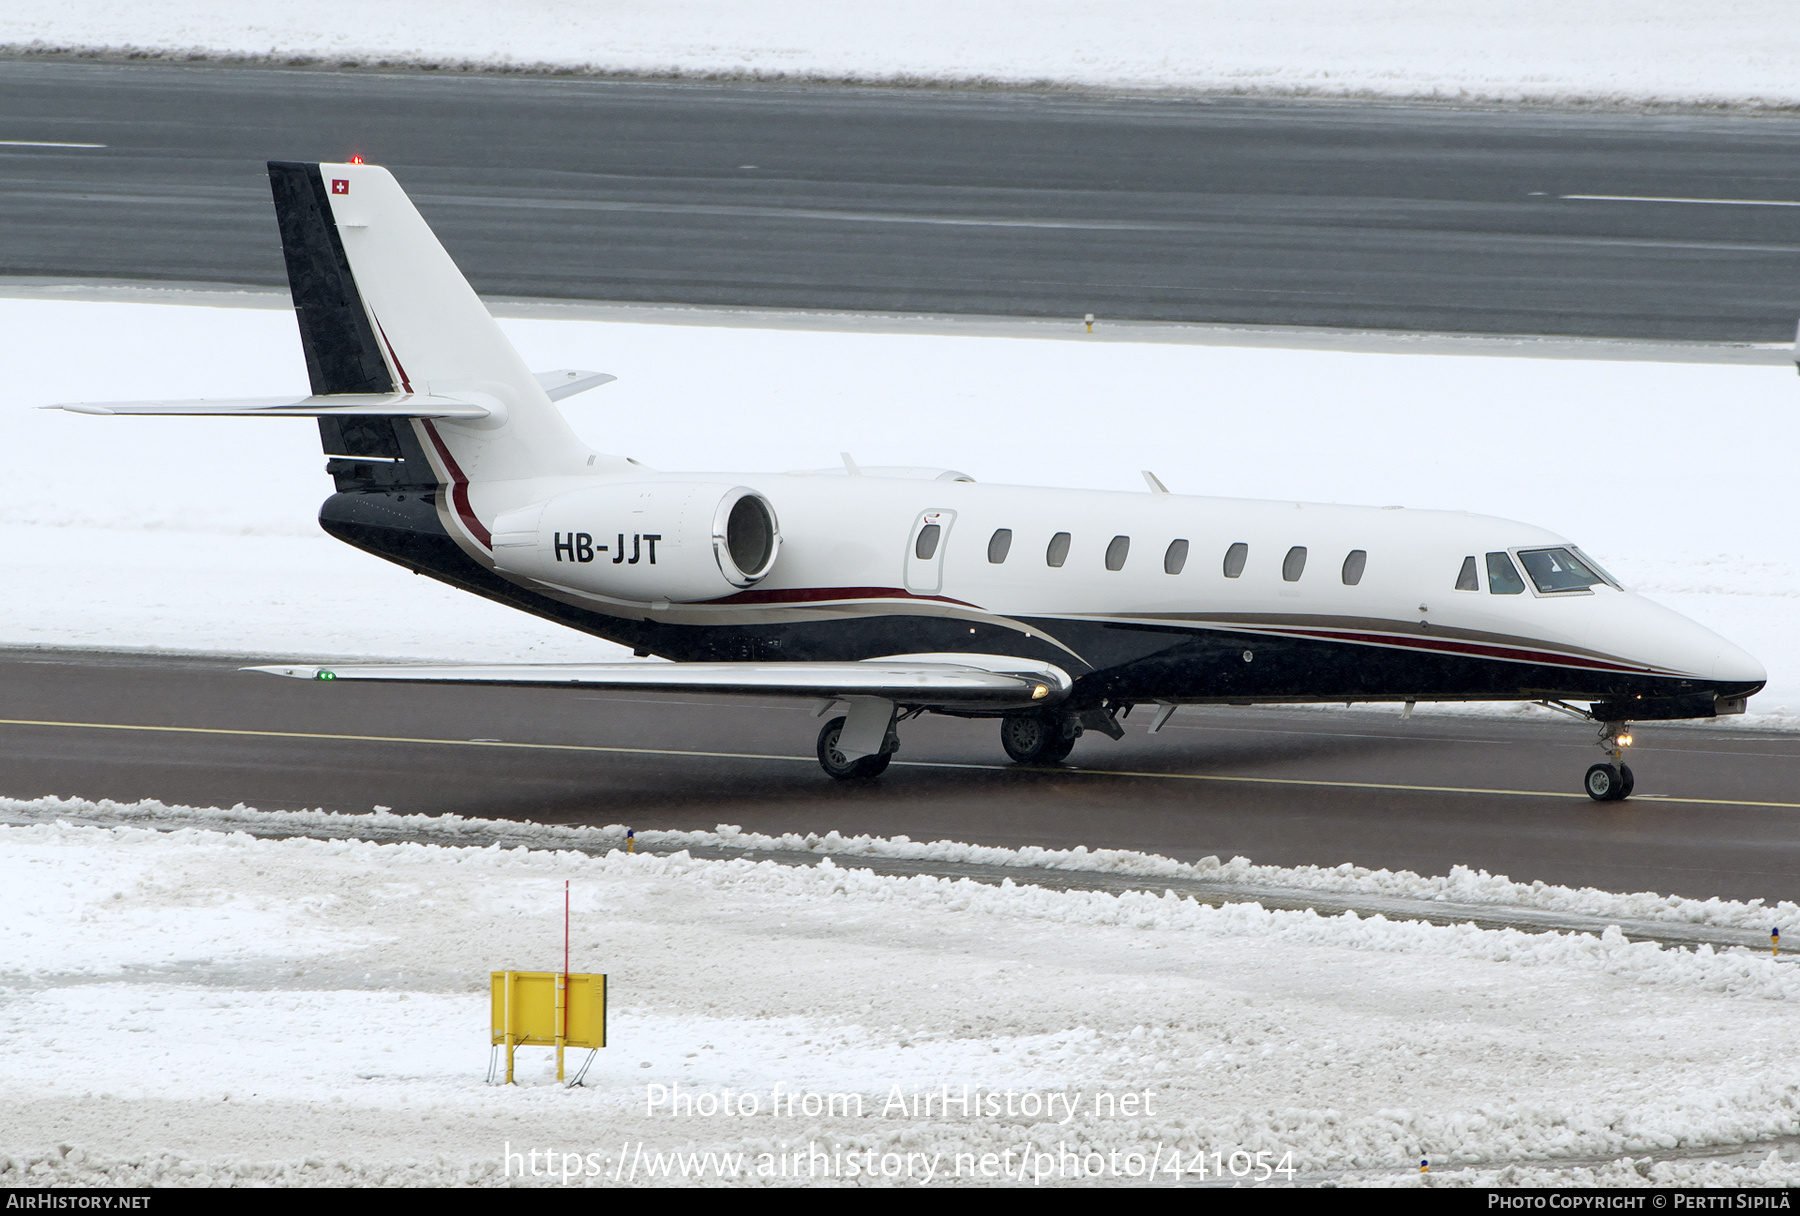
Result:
[[842, 767], [1036, 738], [1608, 784]]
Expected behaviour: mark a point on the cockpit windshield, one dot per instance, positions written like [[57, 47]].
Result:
[[1554, 570]]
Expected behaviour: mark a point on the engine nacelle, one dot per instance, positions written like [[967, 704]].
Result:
[[643, 541]]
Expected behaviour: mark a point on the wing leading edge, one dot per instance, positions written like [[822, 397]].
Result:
[[992, 681]]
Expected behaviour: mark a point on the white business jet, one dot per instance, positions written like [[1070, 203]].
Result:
[[897, 591]]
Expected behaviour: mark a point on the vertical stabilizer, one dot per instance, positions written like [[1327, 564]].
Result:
[[383, 308], [342, 354]]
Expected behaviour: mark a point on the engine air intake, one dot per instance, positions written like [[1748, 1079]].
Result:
[[745, 537]]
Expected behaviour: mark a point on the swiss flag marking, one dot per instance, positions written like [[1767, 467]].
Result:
[[339, 186]]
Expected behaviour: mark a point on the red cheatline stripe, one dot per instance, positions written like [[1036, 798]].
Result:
[[459, 485], [459, 489], [813, 595], [398, 366], [1447, 646]]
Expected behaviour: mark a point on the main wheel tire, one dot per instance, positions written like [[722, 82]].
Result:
[[1035, 738], [1025, 736], [835, 763], [1604, 783]]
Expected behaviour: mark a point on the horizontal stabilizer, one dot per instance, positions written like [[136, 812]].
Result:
[[992, 681], [566, 382], [372, 405]]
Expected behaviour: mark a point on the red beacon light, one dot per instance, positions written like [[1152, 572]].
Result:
[[356, 160]]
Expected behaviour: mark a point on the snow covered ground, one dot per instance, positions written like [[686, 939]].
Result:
[[1725, 51], [199, 534], [198, 1006]]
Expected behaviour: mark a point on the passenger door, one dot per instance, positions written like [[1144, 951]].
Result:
[[925, 551]]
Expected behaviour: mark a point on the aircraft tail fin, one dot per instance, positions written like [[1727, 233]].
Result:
[[342, 352], [382, 308]]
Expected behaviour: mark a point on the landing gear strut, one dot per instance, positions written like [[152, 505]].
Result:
[[1611, 781], [833, 760], [1039, 738]]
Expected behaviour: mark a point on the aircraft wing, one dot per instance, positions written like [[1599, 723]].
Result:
[[994, 681], [383, 405]]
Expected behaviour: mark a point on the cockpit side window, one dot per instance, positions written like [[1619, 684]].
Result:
[[1594, 566], [1465, 578], [1554, 570], [1502, 578]]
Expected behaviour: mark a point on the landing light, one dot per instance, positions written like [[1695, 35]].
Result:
[[1039, 693], [1624, 740]]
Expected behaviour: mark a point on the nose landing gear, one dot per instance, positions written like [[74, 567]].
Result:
[[1611, 781]]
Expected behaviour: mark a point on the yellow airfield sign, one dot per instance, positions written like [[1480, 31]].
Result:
[[547, 1009]]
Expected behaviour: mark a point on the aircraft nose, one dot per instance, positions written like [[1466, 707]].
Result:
[[1736, 666], [1665, 639], [1718, 661]]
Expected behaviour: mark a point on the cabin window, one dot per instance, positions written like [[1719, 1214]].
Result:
[[1558, 570], [927, 544], [1465, 578], [1176, 557], [1058, 552], [1294, 564], [999, 545], [1503, 579], [1353, 566], [1117, 551], [1234, 559]]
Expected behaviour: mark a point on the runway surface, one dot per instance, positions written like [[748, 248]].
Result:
[[1713, 815], [1345, 215]]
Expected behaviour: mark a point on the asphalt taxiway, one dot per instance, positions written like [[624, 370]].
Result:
[[1714, 813], [1350, 215]]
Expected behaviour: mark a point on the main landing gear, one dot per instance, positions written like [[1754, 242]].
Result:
[[1046, 736], [862, 743], [1611, 781], [848, 767], [1039, 738]]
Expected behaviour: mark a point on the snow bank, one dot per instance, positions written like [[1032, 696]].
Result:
[[1726, 52], [197, 1006], [1461, 886], [195, 564]]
